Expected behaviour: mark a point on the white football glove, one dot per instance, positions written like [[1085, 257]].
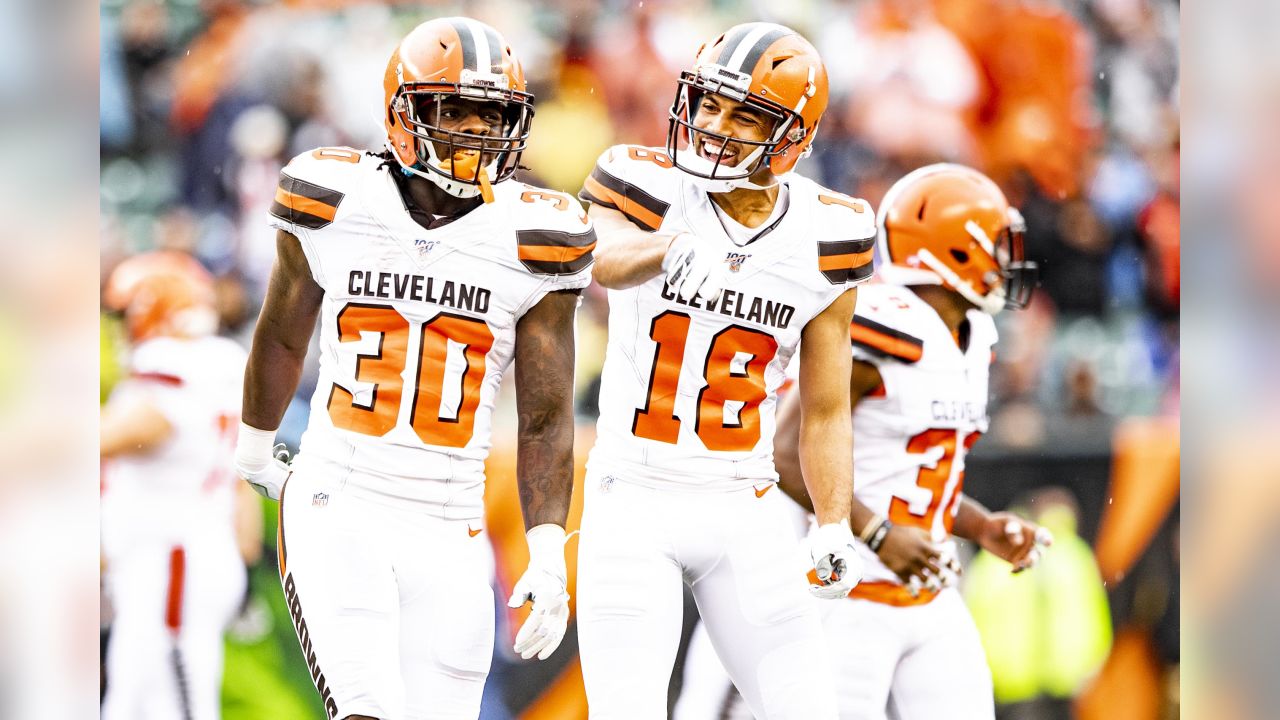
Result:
[[837, 564], [258, 463], [693, 268], [543, 582]]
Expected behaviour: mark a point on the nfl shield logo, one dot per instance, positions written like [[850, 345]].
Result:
[[320, 499], [424, 246], [735, 260]]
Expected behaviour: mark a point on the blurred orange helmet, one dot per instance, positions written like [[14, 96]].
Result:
[[769, 67], [162, 293], [951, 225], [461, 58]]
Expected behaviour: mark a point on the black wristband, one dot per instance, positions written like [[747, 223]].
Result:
[[877, 538]]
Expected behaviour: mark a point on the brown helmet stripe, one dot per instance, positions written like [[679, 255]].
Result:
[[495, 48], [467, 42], [731, 42], [748, 65]]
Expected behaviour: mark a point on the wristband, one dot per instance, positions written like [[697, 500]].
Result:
[[877, 538], [871, 527], [546, 545], [253, 447]]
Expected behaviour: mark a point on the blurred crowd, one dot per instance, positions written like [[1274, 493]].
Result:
[[1073, 106]]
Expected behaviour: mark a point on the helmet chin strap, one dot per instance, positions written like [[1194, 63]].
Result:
[[438, 175], [721, 185], [991, 303]]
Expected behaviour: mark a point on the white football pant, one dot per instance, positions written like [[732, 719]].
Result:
[[392, 607], [739, 553]]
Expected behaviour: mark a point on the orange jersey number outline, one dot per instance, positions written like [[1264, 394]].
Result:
[[934, 479], [724, 383], [383, 369]]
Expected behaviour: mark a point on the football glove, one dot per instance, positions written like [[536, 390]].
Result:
[[264, 467], [835, 562], [543, 583], [692, 268]]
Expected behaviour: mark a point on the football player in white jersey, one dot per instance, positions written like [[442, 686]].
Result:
[[431, 271], [173, 568], [951, 256], [718, 260]]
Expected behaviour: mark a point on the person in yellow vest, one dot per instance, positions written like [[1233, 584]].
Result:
[[1045, 633]]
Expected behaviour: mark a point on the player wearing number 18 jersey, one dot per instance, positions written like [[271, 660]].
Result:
[[431, 272], [718, 261]]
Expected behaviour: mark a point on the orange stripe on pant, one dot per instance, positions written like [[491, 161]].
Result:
[[652, 220], [177, 578], [888, 593]]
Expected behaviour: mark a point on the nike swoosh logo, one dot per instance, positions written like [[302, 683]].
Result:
[[474, 533], [760, 492]]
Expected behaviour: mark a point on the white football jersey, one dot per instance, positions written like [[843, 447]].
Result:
[[417, 325], [688, 391], [186, 484], [911, 435]]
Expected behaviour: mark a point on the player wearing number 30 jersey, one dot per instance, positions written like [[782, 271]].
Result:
[[718, 261], [431, 272]]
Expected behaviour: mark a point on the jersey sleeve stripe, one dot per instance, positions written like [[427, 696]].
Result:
[[306, 204], [631, 200], [548, 252], [844, 261], [874, 337]]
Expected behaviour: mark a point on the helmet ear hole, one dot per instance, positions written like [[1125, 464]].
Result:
[[960, 256]]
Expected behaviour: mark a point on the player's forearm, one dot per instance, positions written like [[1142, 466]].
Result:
[[827, 464], [544, 467], [625, 255], [134, 429], [971, 517], [271, 377]]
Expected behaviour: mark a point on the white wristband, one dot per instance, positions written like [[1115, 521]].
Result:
[[253, 447], [546, 546]]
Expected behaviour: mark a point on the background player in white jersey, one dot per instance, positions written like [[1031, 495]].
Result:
[[431, 271], [922, 342], [718, 261], [174, 574]]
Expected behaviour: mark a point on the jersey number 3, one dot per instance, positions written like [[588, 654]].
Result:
[[934, 479], [734, 373], [428, 416]]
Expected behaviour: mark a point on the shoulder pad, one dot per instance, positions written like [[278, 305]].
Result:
[[882, 325], [313, 185], [847, 236], [637, 181], [553, 234]]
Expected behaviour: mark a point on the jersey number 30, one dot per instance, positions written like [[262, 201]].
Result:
[[427, 416], [734, 373]]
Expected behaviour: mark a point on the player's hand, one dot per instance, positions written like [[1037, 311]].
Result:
[[543, 583], [836, 564], [693, 268], [264, 467], [1011, 538], [913, 556]]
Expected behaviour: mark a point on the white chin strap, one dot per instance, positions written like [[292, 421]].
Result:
[[991, 303], [697, 163]]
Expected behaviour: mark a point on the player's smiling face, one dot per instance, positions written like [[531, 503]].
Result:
[[473, 117], [723, 116]]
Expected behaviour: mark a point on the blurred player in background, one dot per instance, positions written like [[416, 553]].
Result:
[[431, 272], [173, 561], [923, 341], [718, 260]]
